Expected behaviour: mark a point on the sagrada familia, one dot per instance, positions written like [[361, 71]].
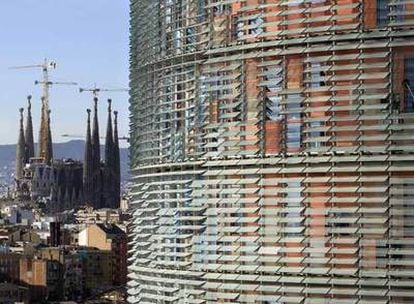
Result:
[[64, 184]]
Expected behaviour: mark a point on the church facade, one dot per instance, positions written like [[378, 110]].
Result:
[[64, 184]]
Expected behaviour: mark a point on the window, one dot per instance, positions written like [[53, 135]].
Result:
[[293, 135], [255, 26], [190, 38], [274, 79], [168, 12], [293, 123], [294, 2], [238, 31], [177, 39], [408, 84], [201, 12], [398, 12], [202, 100], [293, 106], [317, 80], [297, 2], [294, 197], [272, 108], [315, 124], [221, 9], [382, 13], [317, 75]]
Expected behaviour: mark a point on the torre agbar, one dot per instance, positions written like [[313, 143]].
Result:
[[272, 151]]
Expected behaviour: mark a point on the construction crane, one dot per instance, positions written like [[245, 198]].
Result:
[[95, 90], [46, 66], [101, 137], [49, 84]]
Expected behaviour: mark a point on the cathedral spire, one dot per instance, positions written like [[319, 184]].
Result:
[[49, 140], [109, 142], [88, 165], [43, 131], [95, 134], [109, 160], [117, 165], [20, 150], [96, 159], [29, 131]]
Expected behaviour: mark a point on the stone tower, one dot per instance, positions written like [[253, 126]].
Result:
[[29, 131], [88, 164], [108, 172], [117, 164], [20, 150], [96, 160], [45, 137]]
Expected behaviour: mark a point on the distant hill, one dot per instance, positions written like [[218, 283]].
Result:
[[73, 149]]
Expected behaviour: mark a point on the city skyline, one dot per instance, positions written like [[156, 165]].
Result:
[[64, 137], [88, 49]]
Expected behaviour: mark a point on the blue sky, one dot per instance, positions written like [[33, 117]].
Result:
[[89, 41]]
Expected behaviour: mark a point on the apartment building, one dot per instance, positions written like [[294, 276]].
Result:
[[109, 238], [84, 271]]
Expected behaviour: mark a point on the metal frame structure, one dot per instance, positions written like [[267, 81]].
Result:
[[272, 151]]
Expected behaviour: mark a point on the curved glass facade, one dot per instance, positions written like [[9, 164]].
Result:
[[272, 151]]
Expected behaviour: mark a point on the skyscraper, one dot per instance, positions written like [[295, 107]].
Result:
[[272, 151]]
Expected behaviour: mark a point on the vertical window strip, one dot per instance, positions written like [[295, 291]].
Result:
[[409, 84], [382, 13]]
